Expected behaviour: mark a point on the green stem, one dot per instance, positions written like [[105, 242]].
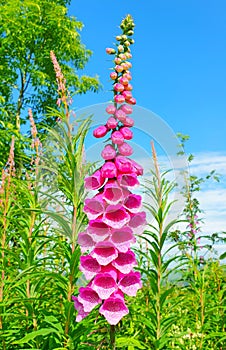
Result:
[[112, 337]]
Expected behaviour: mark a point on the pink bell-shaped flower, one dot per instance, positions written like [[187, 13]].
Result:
[[104, 284], [88, 298], [104, 252], [116, 216], [113, 309], [130, 283], [89, 266], [94, 181]]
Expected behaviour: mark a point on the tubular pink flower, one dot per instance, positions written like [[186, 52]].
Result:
[[89, 266], [125, 262], [94, 207], [101, 131], [79, 307], [113, 309], [95, 181], [104, 284], [133, 203], [116, 216], [112, 123], [98, 230], [109, 170], [137, 168], [125, 149], [122, 238], [113, 194], [117, 138], [88, 298], [130, 283], [137, 222], [123, 164], [104, 252], [128, 180], [108, 152], [110, 109], [85, 241]]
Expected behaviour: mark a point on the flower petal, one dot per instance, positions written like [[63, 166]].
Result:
[[94, 181]]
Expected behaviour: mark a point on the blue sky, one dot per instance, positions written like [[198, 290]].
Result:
[[179, 73], [179, 61]]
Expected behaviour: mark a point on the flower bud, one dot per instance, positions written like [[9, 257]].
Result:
[[129, 122], [118, 38], [127, 76], [120, 115], [119, 68], [123, 81], [120, 48], [118, 87], [126, 133], [119, 98], [117, 60], [101, 131], [113, 75], [110, 51], [129, 87], [132, 100], [108, 152], [127, 95], [125, 149], [126, 109], [117, 138], [110, 109], [112, 123], [122, 56]]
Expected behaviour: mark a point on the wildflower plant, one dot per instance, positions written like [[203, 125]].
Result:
[[114, 212]]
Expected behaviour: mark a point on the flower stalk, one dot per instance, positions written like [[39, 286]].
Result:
[[114, 212]]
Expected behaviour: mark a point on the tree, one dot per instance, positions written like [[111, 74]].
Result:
[[29, 30]]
